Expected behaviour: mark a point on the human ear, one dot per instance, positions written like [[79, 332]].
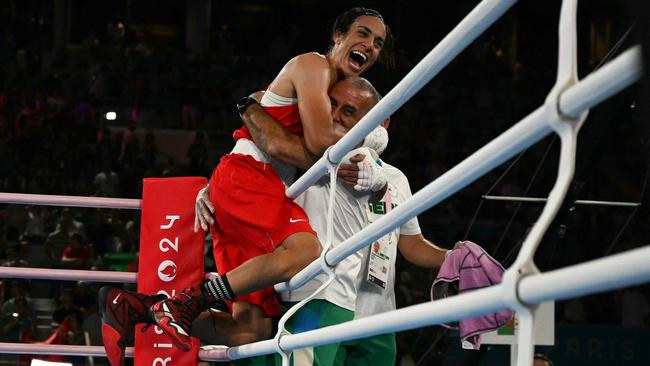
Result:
[[338, 36]]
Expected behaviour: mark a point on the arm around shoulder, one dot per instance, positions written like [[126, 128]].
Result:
[[270, 136]]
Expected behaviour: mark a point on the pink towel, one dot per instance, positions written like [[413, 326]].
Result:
[[467, 268]]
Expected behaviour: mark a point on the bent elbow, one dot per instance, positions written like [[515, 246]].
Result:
[[318, 146], [274, 151]]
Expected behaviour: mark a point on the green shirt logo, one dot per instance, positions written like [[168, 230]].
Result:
[[379, 208]]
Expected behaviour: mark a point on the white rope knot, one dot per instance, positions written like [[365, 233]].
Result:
[[328, 158], [278, 348]]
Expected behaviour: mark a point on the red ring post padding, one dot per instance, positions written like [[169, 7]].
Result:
[[171, 259]]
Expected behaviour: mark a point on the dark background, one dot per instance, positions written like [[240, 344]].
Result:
[[173, 70]]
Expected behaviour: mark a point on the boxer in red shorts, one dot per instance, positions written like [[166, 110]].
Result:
[[252, 212], [262, 237]]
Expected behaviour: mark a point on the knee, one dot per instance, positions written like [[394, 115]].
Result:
[[247, 338], [309, 252], [298, 254], [313, 250], [251, 334]]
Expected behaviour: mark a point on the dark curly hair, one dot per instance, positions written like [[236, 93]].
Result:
[[344, 21]]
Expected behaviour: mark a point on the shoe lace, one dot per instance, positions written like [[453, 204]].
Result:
[[188, 310], [146, 327], [135, 318]]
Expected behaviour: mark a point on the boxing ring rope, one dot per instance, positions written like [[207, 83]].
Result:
[[615, 271], [98, 351], [577, 202], [68, 274], [70, 201], [619, 270], [56, 349]]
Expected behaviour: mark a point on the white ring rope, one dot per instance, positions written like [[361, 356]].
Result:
[[616, 271], [577, 202], [70, 201], [624, 269], [72, 275], [211, 353], [67, 274]]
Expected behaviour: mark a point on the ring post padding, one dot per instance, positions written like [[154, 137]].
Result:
[[171, 259]]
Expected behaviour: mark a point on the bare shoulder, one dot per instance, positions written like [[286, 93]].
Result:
[[300, 70], [310, 60]]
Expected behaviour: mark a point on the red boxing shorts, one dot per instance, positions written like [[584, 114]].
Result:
[[253, 217]]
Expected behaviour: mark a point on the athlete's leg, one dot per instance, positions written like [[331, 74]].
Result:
[[246, 324], [291, 256], [175, 315], [120, 311], [379, 350], [313, 315]]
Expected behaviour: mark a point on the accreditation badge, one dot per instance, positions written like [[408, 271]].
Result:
[[381, 251]]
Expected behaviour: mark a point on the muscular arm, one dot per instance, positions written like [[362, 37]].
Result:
[[270, 136], [420, 251], [311, 79]]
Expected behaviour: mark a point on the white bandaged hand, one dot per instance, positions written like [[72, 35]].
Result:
[[377, 140], [371, 176], [203, 210]]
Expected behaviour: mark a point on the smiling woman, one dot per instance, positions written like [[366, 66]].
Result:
[[355, 21], [254, 248], [365, 38], [357, 41]]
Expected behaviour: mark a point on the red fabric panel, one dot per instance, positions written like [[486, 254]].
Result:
[[171, 259], [287, 115]]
